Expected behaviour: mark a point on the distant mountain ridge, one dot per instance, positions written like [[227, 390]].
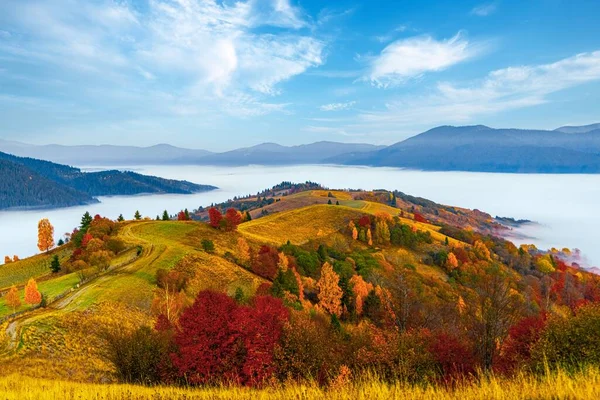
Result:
[[101, 154], [568, 149], [32, 183], [483, 149]]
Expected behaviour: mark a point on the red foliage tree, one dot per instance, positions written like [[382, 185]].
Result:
[[419, 217], [454, 357], [86, 239], [220, 341], [364, 221], [521, 338], [265, 264], [233, 219], [215, 217], [181, 216]]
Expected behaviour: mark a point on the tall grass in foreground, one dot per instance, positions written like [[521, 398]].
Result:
[[559, 385]]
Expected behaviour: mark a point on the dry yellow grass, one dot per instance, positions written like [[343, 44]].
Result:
[[300, 225], [584, 385]]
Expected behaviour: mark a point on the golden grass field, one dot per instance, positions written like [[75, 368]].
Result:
[[583, 385]]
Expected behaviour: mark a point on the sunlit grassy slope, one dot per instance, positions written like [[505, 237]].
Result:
[[299, 223], [584, 385], [17, 273]]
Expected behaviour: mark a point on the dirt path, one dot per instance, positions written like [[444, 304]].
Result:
[[148, 256]]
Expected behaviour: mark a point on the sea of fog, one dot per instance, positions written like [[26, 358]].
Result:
[[565, 207]]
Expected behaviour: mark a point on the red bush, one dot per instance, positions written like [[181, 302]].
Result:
[[419, 217], [454, 357], [364, 221], [521, 338], [220, 341]]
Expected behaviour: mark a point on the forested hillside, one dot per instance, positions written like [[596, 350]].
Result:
[[31, 183], [22, 187]]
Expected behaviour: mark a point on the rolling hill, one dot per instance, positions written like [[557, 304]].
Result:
[[32, 183], [407, 268]]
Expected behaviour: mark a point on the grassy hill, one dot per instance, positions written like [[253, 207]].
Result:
[[406, 265]]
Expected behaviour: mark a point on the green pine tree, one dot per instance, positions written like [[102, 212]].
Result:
[[329, 202], [187, 214], [137, 216], [86, 220], [165, 216], [55, 264], [121, 218]]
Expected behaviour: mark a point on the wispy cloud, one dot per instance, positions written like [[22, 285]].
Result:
[[337, 106], [501, 90], [196, 51], [410, 58], [483, 10], [391, 35]]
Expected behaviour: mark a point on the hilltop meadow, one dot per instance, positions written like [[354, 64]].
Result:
[[298, 291]]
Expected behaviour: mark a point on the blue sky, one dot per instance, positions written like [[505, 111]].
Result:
[[226, 74]]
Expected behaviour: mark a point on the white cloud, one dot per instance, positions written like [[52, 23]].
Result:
[[483, 10], [337, 106], [501, 90], [410, 58], [203, 53]]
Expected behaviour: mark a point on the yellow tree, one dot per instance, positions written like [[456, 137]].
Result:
[[451, 262], [12, 299], [330, 293], [481, 251], [354, 233], [283, 262], [45, 235], [243, 250], [168, 303], [32, 294], [369, 237], [361, 290]]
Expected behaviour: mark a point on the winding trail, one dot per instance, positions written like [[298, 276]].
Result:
[[148, 256]]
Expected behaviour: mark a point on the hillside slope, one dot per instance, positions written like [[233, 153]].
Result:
[[31, 183]]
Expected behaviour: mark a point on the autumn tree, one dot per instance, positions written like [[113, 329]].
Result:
[[7, 260], [183, 215], [45, 235], [330, 293], [382, 232], [12, 298], [170, 302], [495, 307], [361, 290], [369, 237], [220, 341], [232, 218], [32, 294], [243, 250], [451, 262], [215, 217], [15, 258]]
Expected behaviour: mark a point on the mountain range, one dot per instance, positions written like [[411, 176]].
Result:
[[32, 183], [568, 149]]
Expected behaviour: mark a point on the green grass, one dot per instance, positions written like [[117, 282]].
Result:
[[18, 273]]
